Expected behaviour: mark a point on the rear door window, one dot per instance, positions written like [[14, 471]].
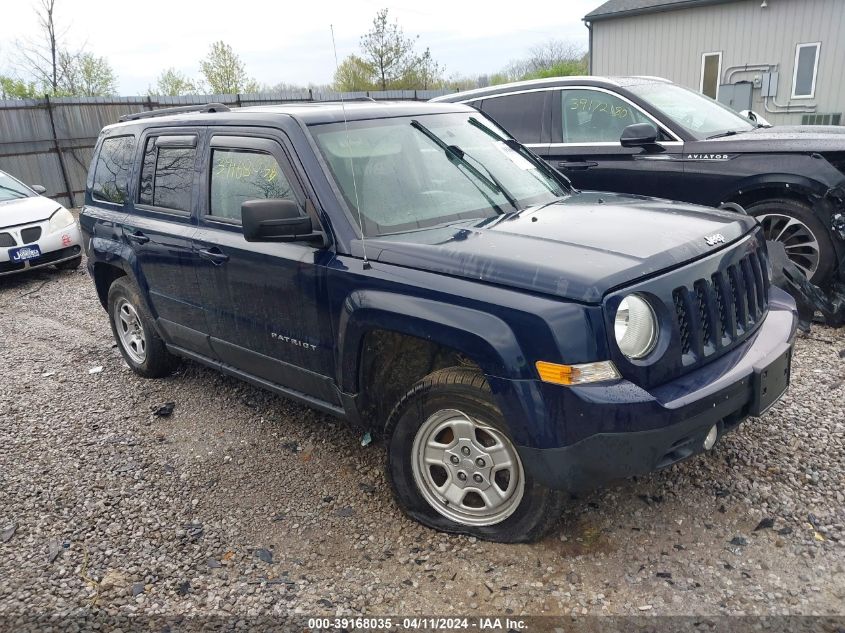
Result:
[[520, 114], [114, 164], [167, 172]]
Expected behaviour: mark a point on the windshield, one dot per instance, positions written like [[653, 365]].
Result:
[[699, 115], [409, 173], [11, 189]]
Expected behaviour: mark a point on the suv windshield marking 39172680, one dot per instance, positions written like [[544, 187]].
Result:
[[511, 339]]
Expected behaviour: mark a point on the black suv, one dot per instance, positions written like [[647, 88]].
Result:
[[648, 136], [415, 270]]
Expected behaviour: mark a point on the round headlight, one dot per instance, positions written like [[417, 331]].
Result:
[[635, 327]]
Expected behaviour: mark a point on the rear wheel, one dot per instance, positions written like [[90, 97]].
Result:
[[454, 468], [132, 325], [804, 237]]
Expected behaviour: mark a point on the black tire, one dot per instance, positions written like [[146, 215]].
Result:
[[466, 390], [70, 264], [157, 361], [803, 213]]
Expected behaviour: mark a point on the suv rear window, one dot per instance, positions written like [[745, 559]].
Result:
[[111, 176], [167, 174]]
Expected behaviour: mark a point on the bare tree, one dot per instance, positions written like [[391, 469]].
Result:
[[42, 58]]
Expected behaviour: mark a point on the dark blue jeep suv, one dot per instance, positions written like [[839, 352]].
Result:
[[414, 269]]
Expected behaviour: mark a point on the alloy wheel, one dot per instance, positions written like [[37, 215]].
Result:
[[799, 241]]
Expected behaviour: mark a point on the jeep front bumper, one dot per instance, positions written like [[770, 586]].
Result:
[[576, 438]]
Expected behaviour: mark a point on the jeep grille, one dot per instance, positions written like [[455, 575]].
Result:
[[714, 313]]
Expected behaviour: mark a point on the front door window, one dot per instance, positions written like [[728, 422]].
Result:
[[594, 116]]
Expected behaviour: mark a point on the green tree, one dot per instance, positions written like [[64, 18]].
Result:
[[387, 50], [86, 75], [11, 88], [172, 83], [224, 71], [354, 74], [424, 72]]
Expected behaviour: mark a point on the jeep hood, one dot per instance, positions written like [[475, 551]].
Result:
[[578, 248], [780, 138]]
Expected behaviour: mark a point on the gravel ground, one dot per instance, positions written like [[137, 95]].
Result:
[[241, 503]]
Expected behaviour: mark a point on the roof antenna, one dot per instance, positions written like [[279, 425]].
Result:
[[351, 163]]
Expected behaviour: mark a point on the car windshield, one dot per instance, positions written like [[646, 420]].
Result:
[[699, 115], [11, 189], [409, 173]]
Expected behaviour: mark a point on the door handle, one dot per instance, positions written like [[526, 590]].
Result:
[[577, 165], [137, 237], [214, 255]]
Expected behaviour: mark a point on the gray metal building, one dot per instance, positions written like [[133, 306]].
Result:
[[784, 59]]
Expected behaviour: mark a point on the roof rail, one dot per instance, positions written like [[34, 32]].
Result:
[[204, 107]]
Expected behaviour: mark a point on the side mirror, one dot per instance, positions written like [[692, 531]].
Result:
[[639, 135], [275, 220], [39, 189]]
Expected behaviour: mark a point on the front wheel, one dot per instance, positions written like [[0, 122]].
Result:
[[803, 235], [454, 468]]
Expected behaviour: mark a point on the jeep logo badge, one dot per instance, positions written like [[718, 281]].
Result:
[[716, 238]]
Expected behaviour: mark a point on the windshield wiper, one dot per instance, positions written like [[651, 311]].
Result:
[[455, 153], [723, 134], [526, 153]]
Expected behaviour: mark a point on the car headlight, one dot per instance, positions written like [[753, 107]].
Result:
[[635, 327], [60, 220]]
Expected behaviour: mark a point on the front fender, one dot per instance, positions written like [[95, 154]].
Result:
[[789, 183], [483, 337]]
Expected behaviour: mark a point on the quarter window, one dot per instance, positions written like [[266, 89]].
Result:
[[167, 173], [592, 116], [111, 176], [241, 175], [806, 68], [521, 114]]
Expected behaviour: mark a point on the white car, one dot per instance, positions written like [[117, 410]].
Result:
[[35, 231]]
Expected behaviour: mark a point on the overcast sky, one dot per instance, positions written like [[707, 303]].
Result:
[[290, 41]]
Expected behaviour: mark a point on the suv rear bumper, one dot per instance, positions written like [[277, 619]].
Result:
[[619, 430]]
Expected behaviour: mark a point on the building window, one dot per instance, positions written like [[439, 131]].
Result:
[[711, 71], [806, 67]]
